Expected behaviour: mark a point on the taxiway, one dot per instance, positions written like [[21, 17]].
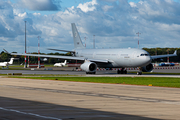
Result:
[[107, 73], [57, 100]]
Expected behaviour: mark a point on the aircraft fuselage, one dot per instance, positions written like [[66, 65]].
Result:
[[117, 57]]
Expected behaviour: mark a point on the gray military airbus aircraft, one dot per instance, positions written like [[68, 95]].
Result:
[[106, 58]]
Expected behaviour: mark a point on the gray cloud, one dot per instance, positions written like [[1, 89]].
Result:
[[41, 5], [160, 11], [12, 24], [113, 22]]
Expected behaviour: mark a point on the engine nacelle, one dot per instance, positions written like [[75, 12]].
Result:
[[147, 68], [89, 67]]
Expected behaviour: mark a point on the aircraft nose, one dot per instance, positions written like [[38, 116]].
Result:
[[149, 59]]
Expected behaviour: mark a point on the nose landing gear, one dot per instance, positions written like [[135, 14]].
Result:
[[140, 71]]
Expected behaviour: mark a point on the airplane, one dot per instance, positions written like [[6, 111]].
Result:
[[61, 64], [6, 64], [106, 58], [44, 59]]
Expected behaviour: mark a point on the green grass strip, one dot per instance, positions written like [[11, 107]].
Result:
[[154, 81]]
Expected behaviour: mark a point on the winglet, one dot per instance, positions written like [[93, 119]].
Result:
[[175, 52]]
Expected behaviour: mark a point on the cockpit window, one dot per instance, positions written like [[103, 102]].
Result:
[[144, 55]]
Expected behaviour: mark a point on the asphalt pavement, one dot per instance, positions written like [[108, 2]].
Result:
[[59, 100]]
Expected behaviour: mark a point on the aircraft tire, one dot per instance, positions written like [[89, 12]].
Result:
[[139, 73], [118, 71], [90, 72], [122, 72]]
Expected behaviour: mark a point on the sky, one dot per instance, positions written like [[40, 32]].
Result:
[[114, 23]]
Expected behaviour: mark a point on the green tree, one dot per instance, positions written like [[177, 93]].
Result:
[[5, 56]]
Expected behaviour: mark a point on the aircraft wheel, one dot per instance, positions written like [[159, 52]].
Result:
[[139, 73], [90, 72], [118, 71], [122, 72]]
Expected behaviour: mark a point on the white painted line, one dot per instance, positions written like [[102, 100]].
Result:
[[32, 114]]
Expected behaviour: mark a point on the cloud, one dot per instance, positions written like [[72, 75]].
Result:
[[12, 26], [40, 5], [88, 6], [132, 4], [113, 22], [158, 22], [160, 11]]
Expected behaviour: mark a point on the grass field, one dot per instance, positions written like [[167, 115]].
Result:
[[154, 81], [21, 67], [147, 81]]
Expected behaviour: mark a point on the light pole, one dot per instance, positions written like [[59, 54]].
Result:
[[25, 64], [167, 57], [39, 66], [85, 40], [94, 42], [138, 38], [28, 56]]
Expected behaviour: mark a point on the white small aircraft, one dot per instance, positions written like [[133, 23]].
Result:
[[44, 59], [6, 64], [61, 64]]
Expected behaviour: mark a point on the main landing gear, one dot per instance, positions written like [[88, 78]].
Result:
[[90, 72], [122, 71]]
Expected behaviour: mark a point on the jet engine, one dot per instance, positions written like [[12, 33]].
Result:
[[147, 68], [89, 67]]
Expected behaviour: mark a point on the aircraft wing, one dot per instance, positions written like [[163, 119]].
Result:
[[161, 56], [62, 57]]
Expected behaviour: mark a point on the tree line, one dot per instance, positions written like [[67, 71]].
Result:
[[162, 51], [152, 51]]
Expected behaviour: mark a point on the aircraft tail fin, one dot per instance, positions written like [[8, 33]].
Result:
[[11, 61], [76, 37], [65, 62]]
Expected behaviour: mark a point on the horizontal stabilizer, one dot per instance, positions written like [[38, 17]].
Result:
[[6, 51], [61, 50]]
